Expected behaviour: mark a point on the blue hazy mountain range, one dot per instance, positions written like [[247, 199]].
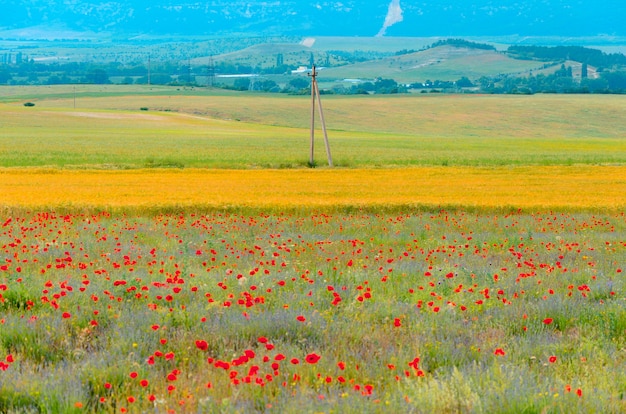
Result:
[[322, 18]]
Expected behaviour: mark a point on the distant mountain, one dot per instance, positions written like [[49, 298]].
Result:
[[320, 17]]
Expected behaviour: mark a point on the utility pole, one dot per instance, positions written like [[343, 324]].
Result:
[[211, 72], [189, 71], [315, 93], [148, 69]]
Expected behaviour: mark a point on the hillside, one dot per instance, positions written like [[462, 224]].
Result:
[[50, 19], [446, 63], [347, 64]]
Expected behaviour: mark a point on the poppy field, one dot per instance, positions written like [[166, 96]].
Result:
[[442, 311]]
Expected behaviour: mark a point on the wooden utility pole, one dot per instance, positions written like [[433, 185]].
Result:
[[315, 93]]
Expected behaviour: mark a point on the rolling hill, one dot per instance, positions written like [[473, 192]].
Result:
[[443, 63], [121, 18]]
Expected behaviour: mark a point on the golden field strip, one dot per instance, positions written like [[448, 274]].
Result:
[[530, 187]]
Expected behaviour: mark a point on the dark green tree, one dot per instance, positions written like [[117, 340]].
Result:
[[464, 82], [97, 77], [386, 86], [242, 84], [616, 81], [266, 85], [5, 76], [299, 83]]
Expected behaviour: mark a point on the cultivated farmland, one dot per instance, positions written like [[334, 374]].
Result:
[[466, 255]]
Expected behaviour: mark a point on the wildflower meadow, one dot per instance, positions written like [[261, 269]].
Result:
[[221, 312]]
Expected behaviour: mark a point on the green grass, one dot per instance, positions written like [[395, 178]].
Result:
[[206, 128]]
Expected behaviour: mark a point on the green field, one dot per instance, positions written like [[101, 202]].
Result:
[[205, 128]]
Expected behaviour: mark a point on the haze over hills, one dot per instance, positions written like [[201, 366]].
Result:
[[122, 18]]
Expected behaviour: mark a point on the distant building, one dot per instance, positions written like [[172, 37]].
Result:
[[304, 69]]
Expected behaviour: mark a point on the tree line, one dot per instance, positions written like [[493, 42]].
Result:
[[608, 70], [593, 57]]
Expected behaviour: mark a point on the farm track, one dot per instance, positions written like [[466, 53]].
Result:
[[528, 187]]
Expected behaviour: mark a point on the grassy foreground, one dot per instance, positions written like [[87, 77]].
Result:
[[412, 312]]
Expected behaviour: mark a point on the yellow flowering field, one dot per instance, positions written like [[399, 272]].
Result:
[[559, 187]]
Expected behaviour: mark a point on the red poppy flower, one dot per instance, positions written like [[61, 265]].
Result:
[[415, 363], [312, 358], [499, 352], [552, 359], [548, 321], [202, 345]]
